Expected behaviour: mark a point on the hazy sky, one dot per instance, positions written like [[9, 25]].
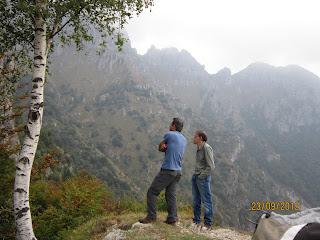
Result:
[[233, 33]]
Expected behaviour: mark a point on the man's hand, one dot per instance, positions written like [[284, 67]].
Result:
[[163, 146]]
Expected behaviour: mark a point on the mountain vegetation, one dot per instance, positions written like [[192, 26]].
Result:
[[109, 112], [28, 34], [106, 114]]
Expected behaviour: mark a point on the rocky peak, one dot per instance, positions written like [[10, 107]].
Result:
[[173, 57], [224, 73]]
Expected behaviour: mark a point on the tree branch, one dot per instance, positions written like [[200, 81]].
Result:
[[60, 29], [54, 33], [2, 210], [56, 24]]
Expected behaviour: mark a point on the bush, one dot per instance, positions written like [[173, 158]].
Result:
[[58, 207], [130, 204]]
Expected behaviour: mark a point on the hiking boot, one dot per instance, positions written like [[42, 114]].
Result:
[[206, 227], [146, 220], [172, 222]]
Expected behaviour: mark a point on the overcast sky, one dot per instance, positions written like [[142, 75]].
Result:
[[233, 33]]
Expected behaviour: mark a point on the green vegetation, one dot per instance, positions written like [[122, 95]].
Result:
[[111, 122], [63, 200], [75, 207], [58, 207], [6, 201], [98, 228]]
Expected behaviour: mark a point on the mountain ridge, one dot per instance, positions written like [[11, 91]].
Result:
[[122, 103]]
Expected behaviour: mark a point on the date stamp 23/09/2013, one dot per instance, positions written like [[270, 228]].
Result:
[[275, 206]]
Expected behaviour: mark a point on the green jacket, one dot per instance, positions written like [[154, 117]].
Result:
[[204, 160]]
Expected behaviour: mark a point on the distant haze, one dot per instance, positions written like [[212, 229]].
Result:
[[233, 33]]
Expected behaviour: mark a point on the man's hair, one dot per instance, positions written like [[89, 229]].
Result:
[[202, 134], [178, 123]]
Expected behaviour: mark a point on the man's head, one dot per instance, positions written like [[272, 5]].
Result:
[[199, 137], [176, 125]]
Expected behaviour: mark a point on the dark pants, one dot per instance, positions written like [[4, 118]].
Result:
[[168, 180], [201, 193]]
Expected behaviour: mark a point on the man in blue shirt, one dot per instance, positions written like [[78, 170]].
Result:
[[173, 145]]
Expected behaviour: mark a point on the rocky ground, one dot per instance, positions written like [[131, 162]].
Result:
[[124, 226], [182, 230]]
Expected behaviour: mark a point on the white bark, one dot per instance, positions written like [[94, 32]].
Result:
[[24, 162]]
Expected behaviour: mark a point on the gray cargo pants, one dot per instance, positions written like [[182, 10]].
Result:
[[166, 179]]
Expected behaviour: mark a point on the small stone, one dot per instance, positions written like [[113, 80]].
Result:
[[115, 234], [140, 225]]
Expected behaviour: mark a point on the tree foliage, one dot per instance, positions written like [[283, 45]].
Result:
[[67, 22], [27, 33], [72, 21]]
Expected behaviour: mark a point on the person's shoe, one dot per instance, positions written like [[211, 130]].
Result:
[[172, 222], [195, 226], [206, 227], [146, 220]]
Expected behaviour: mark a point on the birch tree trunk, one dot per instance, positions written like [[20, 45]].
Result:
[[24, 162]]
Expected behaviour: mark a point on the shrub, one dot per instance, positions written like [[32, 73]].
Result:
[[58, 207], [130, 204]]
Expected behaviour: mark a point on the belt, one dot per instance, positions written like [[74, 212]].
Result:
[[167, 170]]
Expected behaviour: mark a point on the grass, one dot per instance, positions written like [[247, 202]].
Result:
[[98, 228]]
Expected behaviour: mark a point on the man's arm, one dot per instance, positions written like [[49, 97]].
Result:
[[162, 146], [164, 142]]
